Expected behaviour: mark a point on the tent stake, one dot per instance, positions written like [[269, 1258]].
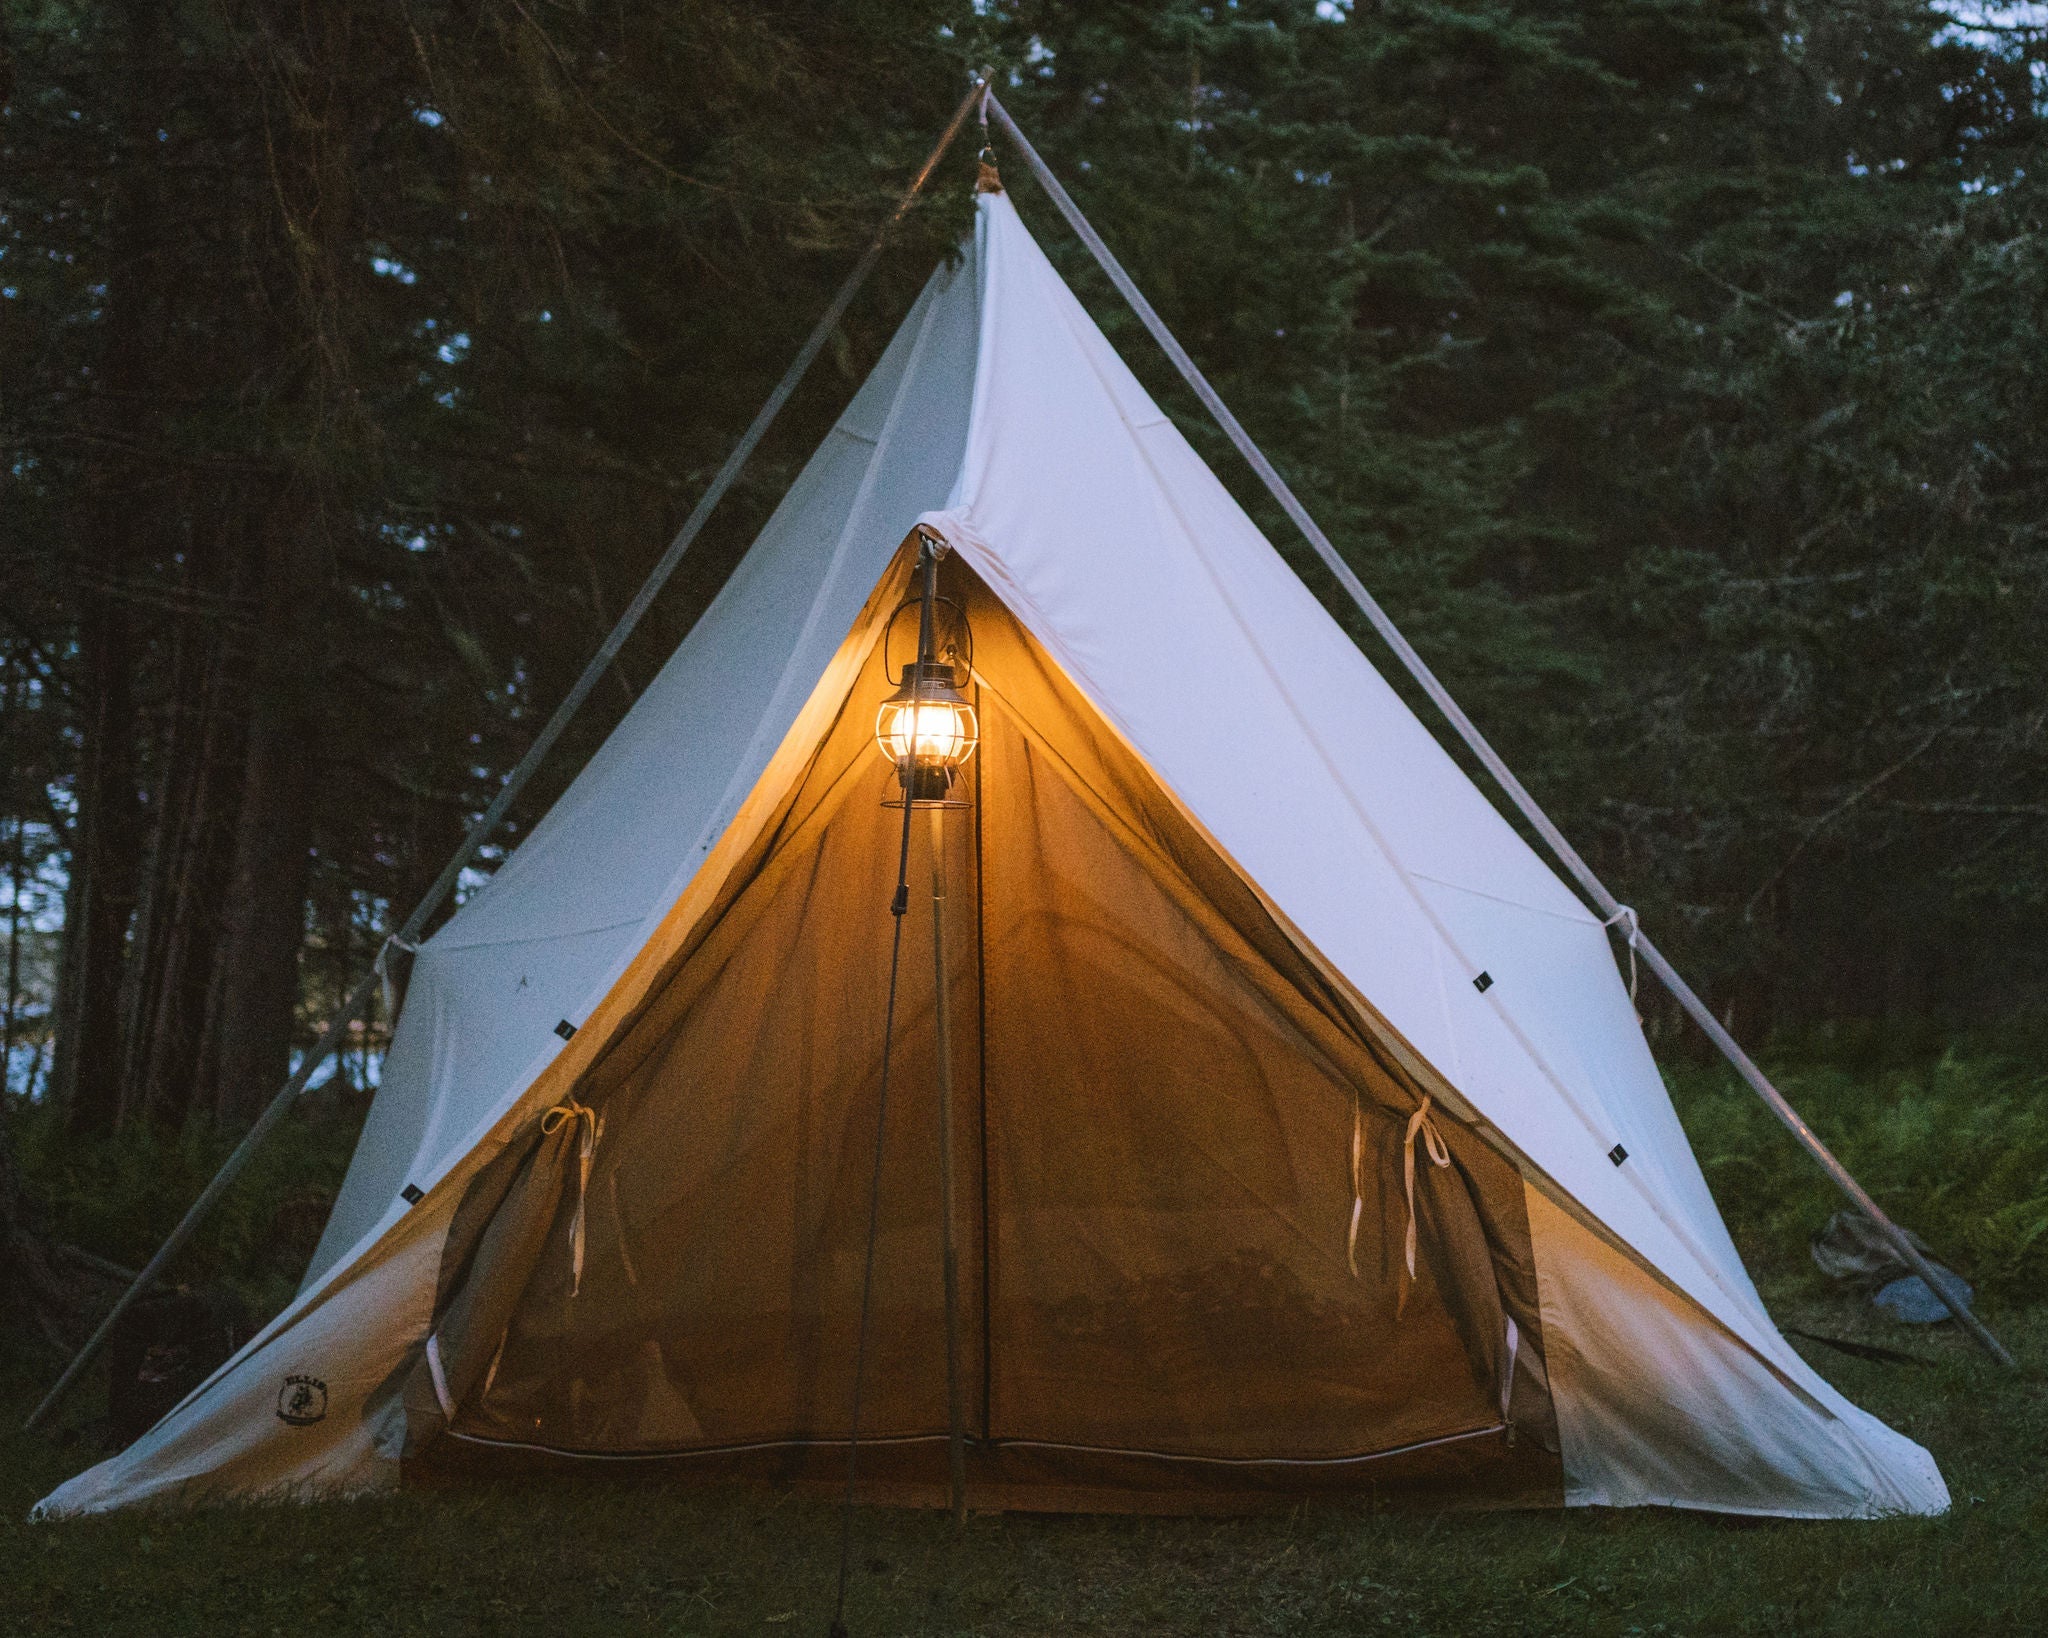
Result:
[[408, 935], [1610, 907], [956, 1438]]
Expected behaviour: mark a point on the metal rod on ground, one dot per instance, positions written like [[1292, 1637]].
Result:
[[485, 826], [1610, 907], [956, 1435]]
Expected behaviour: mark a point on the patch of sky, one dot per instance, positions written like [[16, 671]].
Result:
[[385, 267], [364, 1069], [1986, 27], [34, 930]]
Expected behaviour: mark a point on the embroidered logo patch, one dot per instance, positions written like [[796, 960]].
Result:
[[302, 1401]]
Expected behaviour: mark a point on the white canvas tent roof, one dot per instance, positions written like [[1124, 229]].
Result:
[[1001, 419]]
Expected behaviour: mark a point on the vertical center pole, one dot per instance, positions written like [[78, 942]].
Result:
[[956, 1427], [956, 1434]]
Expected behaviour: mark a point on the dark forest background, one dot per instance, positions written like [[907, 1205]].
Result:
[[1672, 369]]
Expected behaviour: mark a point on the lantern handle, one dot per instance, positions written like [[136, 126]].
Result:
[[963, 667]]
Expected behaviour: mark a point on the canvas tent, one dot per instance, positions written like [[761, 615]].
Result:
[[1308, 1137]]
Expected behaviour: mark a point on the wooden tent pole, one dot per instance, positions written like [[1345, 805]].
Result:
[[956, 1435], [1610, 907], [415, 924]]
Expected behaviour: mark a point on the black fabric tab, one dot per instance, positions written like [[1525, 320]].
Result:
[[1483, 983], [565, 1029], [1617, 1154], [413, 1194]]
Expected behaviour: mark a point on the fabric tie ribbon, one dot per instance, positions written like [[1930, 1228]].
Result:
[[439, 1378], [1419, 1124], [550, 1123], [1624, 915], [1357, 1181]]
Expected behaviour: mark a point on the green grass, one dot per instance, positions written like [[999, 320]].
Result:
[[1957, 1141], [121, 1196], [607, 1557], [1952, 1141]]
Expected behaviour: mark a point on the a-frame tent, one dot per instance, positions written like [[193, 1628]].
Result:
[[1309, 1141]]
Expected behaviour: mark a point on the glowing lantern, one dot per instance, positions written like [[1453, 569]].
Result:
[[927, 730]]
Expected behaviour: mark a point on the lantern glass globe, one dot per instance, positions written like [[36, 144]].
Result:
[[927, 730]]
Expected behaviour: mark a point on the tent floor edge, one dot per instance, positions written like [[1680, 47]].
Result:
[[1483, 1469]]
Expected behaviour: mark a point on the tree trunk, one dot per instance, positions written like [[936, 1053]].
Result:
[[308, 133], [265, 916], [107, 833], [17, 864], [195, 839], [29, 1287], [106, 839]]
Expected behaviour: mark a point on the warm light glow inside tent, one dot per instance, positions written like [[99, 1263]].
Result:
[[1156, 1091]]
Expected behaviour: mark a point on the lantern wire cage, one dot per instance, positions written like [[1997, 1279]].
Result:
[[926, 729]]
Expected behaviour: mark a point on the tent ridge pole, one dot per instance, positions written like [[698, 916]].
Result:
[[1475, 741], [408, 935]]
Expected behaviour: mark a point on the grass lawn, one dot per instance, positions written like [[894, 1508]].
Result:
[[610, 1556]]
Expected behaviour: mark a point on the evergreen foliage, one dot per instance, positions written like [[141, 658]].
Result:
[[1669, 369]]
